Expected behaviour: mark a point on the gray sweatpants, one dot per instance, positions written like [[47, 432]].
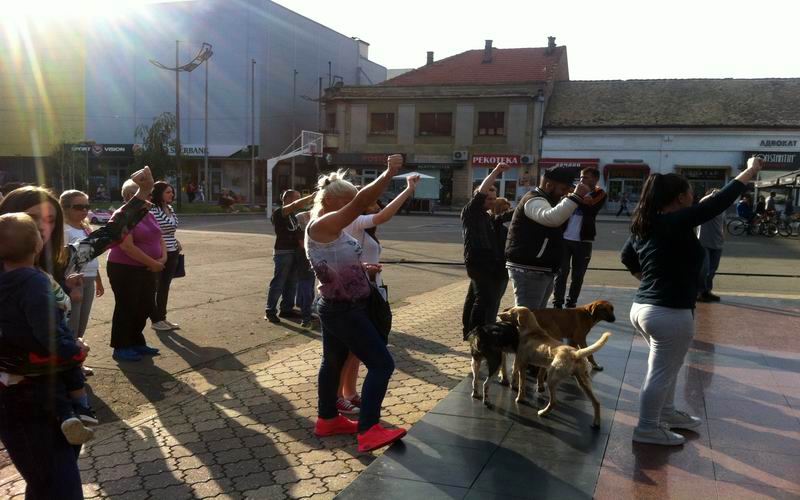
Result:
[[669, 333], [79, 315], [532, 289]]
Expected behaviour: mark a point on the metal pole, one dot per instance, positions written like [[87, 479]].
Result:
[[319, 107], [206, 182], [294, 112], [178, 124], [253, 132]]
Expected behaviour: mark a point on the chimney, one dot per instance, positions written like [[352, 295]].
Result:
[[551, 44], [487, 52], [430, 57]]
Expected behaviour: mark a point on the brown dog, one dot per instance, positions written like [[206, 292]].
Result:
[[559, 360], [576, 323]]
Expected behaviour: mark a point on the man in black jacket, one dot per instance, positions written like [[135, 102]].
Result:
[[579, 234], [535, 237], [483, 255]]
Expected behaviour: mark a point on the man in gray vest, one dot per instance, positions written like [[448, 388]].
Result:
[[535, 237]]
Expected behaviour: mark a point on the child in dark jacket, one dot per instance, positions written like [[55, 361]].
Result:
[[34, 335]]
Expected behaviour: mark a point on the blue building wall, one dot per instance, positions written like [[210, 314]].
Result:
[[124, 90]]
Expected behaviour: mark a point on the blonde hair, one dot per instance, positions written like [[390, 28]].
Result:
[[129, 190], [499, 204], [66, 201], [333, 185], [19, 237]]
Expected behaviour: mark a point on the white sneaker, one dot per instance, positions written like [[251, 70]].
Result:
[[175, 326], [160, 326], [681, 420], [75, 432], [661, 435]]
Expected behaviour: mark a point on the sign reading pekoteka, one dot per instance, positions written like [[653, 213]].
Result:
[[494, 159]]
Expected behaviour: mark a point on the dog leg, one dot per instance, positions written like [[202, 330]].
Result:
[[522, 375], [586, 384], [552, 385], [540, 380], [476, 368], [503, 371], [493, 361], [595, 366]]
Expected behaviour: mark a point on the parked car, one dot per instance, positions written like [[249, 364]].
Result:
[[99, 216]]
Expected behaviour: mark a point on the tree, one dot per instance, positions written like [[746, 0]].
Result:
[[157, 139]]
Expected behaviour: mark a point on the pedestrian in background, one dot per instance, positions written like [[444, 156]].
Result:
[[305, 275], [623, 204], [711, 236], [578, 237], [163, 196], [288, 240]]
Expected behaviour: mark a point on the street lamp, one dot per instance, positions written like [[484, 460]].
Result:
[[202, 56]]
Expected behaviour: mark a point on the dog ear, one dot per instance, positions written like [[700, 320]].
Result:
[[506, 315]]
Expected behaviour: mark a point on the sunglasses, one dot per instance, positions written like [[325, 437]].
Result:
[[80, 207]]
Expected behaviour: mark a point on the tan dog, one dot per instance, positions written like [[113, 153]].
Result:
[[559, 360], [575, 323]]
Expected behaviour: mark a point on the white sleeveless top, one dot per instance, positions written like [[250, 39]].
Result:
[[337, 266]]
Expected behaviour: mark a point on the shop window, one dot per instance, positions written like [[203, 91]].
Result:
[[381, 123], [435, 123], [491, 123]]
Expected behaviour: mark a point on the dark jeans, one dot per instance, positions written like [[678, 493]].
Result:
[[576, 256], [134, 298], [347, 328], [486, 289], [305, 285], [163, 281], [284, 282], [709, 269], [623, 206], [31, 434]]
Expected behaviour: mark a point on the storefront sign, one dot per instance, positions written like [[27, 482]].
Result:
[[493, 159], [98, 150], [626, 170], [419, 159], [777, 161], [701, 173], [579, 163], [778, 143], [377, 159], [214, 150]]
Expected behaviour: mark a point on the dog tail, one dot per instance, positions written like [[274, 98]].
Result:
[[582, 353]]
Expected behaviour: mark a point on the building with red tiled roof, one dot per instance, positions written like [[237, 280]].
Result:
[[452, 119]]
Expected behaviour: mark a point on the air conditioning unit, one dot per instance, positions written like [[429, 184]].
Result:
[[460, 155], [526, 159]]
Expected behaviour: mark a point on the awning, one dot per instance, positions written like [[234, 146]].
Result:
[[792, 179], [627, 170]]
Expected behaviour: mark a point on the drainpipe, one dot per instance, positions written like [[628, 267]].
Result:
[[538, 136]]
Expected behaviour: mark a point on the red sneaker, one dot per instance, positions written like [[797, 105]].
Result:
[[334, 426], [378, 437]]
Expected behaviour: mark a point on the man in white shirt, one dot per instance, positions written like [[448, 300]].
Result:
[[535, 237]]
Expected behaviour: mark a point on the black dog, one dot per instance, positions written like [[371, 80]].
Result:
[[491, 342]]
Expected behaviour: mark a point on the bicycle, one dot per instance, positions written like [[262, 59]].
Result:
[[739, 226]]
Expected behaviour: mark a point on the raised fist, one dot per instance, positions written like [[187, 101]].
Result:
[[394, 163]]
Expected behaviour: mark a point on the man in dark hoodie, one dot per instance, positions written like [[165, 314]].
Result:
[[26, 319]]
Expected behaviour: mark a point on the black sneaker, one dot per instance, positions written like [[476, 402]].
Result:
[[703, 298], [271, 317], [712, 297], [307, 325], [86, 414], [290, 314]]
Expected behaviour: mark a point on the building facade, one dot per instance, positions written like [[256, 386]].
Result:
[[700, 129], [453, 120], [112, 87]]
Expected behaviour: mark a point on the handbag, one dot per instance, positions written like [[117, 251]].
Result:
[[379, 312], [180, 268]]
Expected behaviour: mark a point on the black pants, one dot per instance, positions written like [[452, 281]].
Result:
[[486, 288], [623, 206], [134, 298], [31, 434], [163, 280], [577, 255]]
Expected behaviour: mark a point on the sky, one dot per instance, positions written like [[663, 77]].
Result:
[[605, 39]]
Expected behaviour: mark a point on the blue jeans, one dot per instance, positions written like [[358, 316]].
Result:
[[31, 434], [347, 328], [531, 288], [305, 286], [709, 269], [284, 282]]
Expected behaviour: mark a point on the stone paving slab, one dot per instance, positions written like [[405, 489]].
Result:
[[253, 437]]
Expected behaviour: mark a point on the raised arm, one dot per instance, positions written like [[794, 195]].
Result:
[[488, 182], [298, 205], [392, 208], [714, 205], [87, 249], [328, 227]]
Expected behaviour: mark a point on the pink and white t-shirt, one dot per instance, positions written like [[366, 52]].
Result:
[[338, 268]]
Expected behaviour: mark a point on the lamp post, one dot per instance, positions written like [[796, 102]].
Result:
[[253, 132], [204, 54]]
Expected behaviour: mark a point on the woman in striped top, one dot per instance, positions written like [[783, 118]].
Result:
[[163, 195]]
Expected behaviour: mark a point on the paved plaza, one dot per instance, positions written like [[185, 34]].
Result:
[[228, 409]]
